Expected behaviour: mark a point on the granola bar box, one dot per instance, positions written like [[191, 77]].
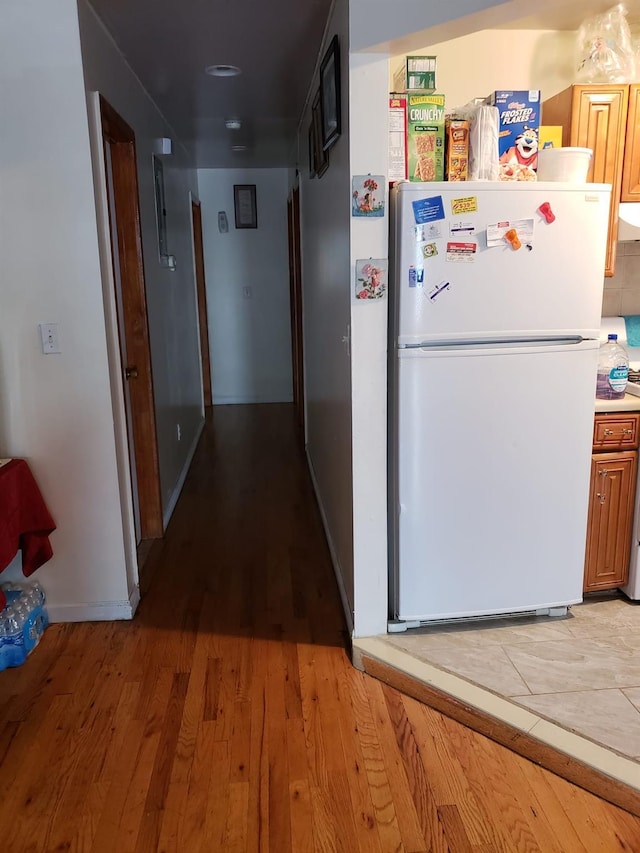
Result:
[[456, 150], [425, 137]]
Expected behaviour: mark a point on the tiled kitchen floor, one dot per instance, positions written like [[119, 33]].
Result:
[[580, 672]]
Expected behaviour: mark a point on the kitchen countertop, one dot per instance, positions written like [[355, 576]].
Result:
[[628, 403]]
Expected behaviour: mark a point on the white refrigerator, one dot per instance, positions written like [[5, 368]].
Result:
[[493, 356]]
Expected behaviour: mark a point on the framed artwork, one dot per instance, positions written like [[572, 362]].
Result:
[[330, 95], [371, 279], [161, 210], [244, 203], [367, 195], [321, 156], [312, 152]]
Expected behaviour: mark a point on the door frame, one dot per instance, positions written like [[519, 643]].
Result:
[[295, 302], [121, 140], [201, 296]]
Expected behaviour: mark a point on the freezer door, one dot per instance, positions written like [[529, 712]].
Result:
[[551, 285], [492, 468]]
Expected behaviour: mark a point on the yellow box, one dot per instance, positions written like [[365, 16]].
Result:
[[456, 150], [550, 136]]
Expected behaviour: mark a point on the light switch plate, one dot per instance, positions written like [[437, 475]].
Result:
[[49, 338]]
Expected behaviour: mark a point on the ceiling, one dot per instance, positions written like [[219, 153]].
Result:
[[275, 43]]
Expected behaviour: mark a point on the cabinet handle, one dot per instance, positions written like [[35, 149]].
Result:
[[602, 495], [627, 432], [608, 431]]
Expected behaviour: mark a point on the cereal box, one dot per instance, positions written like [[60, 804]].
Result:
[[417, 73], [456, 150], [518, 135], [550, 136], [425, 122], [397, 137]]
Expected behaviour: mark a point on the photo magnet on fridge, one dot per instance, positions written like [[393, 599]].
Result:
[[367, 196]]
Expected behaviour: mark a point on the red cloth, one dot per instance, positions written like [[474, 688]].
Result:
[[25, 521]]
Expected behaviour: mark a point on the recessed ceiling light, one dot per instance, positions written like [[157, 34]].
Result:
[[223, 70], [233, 124], [238, 147]]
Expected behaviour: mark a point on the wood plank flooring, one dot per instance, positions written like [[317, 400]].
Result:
[[227, 716]]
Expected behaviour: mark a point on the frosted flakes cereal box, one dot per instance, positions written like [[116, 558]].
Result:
[[518, 134], [425, 122], [456, 150]]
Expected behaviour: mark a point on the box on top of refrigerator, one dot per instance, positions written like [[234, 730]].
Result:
[[425, 120], [519, 112], [417, 73], [397, 137]]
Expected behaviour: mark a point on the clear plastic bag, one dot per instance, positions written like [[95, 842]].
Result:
[[604, 52], [484, 122]]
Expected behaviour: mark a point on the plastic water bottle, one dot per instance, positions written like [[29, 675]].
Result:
[[22, 622], [613, 370]]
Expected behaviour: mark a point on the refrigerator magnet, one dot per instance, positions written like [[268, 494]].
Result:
[[424, 233], [469, 204], [371, 279], [429, 250], [461, 252], [462, 228], [438, 290], [416, 276], [367, 195], [428, 209], [496, 233]]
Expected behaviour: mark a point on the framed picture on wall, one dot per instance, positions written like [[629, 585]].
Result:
[[161, 210], [244, 202], [330, 95], [321, 156]]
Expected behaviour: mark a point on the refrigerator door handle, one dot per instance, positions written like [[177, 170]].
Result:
[[506, 342]]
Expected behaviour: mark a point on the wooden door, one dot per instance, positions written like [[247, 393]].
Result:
[[201, 288], [631, 163], [126, 244], [295, 287], [613, 481], [595, 117]]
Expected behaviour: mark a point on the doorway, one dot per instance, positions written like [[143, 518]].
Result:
[[201, 291], [133, 329], [295, 287]]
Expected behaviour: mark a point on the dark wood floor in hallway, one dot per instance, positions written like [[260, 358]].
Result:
[[227, 717]]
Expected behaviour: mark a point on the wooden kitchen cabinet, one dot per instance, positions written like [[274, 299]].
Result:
[[631, 163], [611, 501], [596, 117]]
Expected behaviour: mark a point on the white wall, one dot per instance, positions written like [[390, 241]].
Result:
[[326, 263], [476, 64], [55, 410], [369, 105], [249, 338], [171, 296]]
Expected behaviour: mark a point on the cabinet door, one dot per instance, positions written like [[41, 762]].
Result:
[[613, 480], [598, 121], [631, 163]]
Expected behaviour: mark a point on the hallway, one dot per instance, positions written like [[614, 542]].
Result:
[[227, 717]]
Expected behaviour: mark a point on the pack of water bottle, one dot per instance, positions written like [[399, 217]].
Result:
[[22, 622]]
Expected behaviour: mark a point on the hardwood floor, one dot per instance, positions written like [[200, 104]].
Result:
[[227, 716]]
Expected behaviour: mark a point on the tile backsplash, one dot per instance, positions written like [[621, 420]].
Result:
[[622, 291]]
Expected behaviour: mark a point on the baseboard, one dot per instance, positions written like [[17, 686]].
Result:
[[99, 611], [166, 518], [232, 400], [348, 612]]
